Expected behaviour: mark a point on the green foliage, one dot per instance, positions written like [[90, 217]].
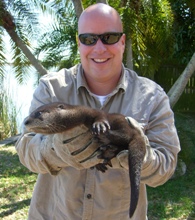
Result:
[[16, 185], [2, 58], [20, 63], [184, 30], [150, 29], [59, 44], [8, 125], [186, 130], [161, 31], [174, 200], [23, 21]]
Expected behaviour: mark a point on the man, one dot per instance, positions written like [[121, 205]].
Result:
[[69, 190]]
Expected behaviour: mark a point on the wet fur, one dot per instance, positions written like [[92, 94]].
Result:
[[112, 131]]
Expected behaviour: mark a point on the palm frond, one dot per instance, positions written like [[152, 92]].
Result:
[[3, 60], [60, 40], [150, 30]]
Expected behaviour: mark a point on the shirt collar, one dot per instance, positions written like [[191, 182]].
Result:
[[81, 82]]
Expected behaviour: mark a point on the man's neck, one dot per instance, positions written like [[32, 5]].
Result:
[[102, 88]]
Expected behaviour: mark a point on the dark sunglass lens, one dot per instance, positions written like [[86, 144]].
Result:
[[88, 39], [107, 38], [111, 38]]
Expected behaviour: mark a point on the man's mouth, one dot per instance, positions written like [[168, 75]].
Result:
[[100, 60]]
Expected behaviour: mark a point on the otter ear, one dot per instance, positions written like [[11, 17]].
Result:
[[60, 106]]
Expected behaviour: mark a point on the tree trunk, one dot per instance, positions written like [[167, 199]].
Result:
[[27, 52], [78, 7], [7, 22], [129, 60], [179, 86]]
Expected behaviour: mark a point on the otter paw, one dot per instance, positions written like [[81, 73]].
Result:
[[108, 152], [101, 167], [100, 126]]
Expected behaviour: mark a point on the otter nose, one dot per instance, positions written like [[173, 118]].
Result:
[[26, 121]]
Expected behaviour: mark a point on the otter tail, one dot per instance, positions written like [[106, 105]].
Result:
[[136, 156]]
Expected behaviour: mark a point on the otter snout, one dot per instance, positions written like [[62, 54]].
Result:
[[27, 121], [25, 125]]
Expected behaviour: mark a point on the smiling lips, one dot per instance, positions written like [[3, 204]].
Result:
[[100, 60]]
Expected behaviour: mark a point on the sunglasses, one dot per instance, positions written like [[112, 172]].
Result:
[[106, 38]]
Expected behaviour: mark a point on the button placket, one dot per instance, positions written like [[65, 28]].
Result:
[[89, 192]]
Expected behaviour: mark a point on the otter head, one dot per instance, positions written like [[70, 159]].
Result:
[[47, 119]]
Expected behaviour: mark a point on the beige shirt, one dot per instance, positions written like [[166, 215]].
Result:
[[88, 194]]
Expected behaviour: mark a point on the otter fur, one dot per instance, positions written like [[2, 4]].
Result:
[[113, 132]]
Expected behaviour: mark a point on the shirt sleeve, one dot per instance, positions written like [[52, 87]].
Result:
[[37, 155], [161, 156], [163, 145]]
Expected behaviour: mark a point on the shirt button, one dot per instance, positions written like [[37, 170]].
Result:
[[89, 196]]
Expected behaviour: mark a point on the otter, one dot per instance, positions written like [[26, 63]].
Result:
[[112, 130]]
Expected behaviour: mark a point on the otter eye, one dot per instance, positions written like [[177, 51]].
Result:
[[38, 114], [61, 106]]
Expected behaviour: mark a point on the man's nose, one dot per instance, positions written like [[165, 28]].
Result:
[[99, 47]]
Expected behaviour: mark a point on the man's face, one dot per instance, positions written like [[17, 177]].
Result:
[[101, 61]]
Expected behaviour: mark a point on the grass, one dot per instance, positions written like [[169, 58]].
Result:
[[174, 200], [16, 185], [185, 124]]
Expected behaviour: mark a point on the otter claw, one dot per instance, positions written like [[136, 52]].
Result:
[[99, 127], [101, 167]]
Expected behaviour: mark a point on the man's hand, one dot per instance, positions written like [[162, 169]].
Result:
[[77, 147]]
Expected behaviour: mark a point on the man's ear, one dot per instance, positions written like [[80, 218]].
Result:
[[123, 39]]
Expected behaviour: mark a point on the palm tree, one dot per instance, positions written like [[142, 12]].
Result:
[[176, 90], [147, 24], [59, 44], [148, 33], [22, 24]]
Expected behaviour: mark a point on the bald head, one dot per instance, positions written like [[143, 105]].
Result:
[[100, 13]]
